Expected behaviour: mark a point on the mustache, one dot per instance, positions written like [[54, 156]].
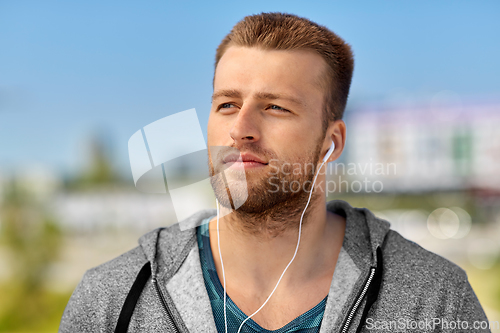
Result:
[[218, 153]]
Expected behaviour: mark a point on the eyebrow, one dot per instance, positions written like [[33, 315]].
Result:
[[226, 93], [232, 93]]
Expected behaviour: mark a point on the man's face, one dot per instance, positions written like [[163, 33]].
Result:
[[268, 104]]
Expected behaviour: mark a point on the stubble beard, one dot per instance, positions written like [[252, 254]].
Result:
[[271, 207]]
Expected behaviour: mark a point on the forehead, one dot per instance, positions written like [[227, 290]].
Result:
[[298, 73]]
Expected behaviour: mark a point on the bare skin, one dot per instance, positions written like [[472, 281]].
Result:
[[251, 107]]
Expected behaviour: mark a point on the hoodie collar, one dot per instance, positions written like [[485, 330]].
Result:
[[364, 232], [166, 248]]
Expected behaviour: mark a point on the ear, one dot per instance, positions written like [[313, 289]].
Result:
[[336, 133]]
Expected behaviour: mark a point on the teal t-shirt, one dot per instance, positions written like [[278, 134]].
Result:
[[308, 322]]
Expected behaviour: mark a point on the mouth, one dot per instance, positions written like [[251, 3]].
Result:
[[245, 159]]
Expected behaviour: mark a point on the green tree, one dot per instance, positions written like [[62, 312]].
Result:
[[32, 241]]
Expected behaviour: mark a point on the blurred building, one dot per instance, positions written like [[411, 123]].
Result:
[[439, 164], [426, 148], [112, 209]]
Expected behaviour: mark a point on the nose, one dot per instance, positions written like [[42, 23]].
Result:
[[245, 127]]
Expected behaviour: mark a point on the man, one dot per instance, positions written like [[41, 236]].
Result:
[[280, 88]]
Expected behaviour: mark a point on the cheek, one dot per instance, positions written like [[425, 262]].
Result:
[[288, 134], [211, 138], [216, 131], [210, 130], [295, 141]]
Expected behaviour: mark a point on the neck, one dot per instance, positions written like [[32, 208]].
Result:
[[255, 260], [282, 219]]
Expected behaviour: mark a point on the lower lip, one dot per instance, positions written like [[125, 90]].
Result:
[[248, 165]]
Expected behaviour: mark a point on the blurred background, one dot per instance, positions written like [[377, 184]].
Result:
[[77, 79]]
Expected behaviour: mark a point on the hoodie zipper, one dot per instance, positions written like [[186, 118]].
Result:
[[168, 313], [358, 301], [170, 322]]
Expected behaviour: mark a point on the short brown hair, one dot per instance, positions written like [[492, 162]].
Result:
[[279, 31]]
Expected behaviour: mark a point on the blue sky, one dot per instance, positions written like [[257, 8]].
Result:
[[69, 69]]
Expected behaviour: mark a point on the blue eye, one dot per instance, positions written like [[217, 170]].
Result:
[[227, 108], [279, 108]]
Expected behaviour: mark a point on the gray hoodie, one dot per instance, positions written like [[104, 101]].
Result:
[[382, 283]]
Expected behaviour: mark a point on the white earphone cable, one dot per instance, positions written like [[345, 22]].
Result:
[[222, 265]]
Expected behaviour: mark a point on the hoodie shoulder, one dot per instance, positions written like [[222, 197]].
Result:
[[411, 258], [418, 283], [124, 262], [96, 302]]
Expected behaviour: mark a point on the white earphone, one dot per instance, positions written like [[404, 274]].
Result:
[[329, 152], [327, 155]]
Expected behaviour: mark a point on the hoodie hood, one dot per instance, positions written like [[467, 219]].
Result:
[[166, 248], [364, 232]]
